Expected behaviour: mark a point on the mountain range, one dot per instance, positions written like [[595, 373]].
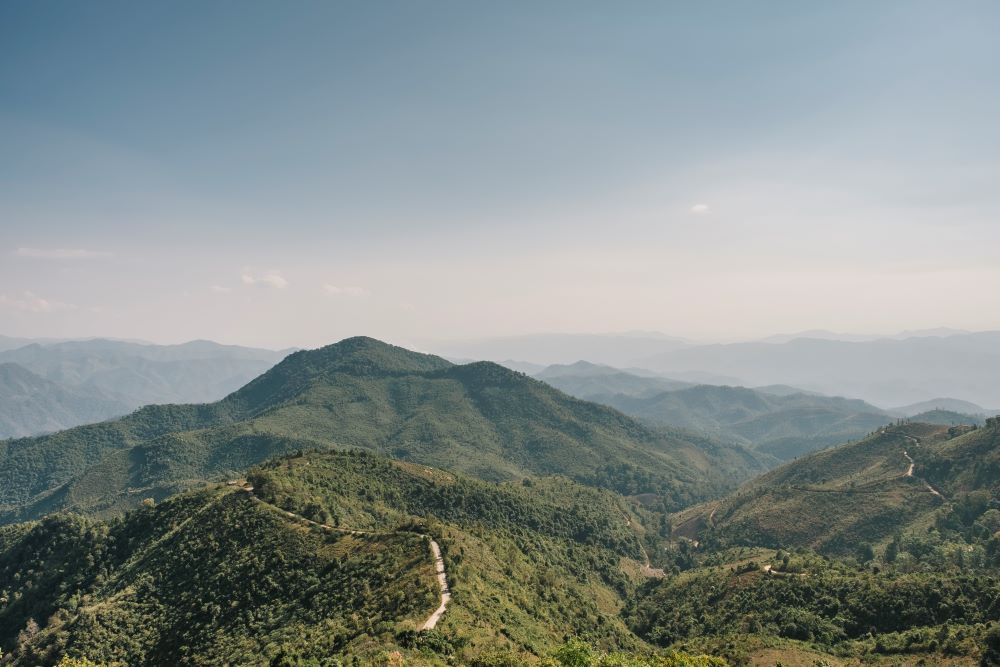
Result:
[[885, 372], [481, 419], [56, 385], [366, 504], [777, 420]]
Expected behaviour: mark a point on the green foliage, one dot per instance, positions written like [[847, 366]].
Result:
[[127, 592], [828, 604], [78, 662], [527, 563]]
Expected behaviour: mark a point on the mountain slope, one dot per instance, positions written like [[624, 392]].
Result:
[[902, 478], [479, 418], [269, 583], [30, 404], [125, 592]]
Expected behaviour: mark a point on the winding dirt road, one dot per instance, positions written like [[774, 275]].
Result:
[[909, 470], [442, 576]]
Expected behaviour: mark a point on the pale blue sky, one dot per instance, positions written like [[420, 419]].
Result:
[[291, 173]]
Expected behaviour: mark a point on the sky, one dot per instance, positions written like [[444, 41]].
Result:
[[289, 174]]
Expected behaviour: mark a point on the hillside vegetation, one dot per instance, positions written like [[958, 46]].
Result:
[[528, 563], [480, 418], [768, 608], [902, 479]]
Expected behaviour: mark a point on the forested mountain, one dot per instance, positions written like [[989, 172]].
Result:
[[478, 418], [777, 420], [30, 404], [863, 495]]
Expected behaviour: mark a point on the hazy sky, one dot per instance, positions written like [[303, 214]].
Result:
[[292, 173]]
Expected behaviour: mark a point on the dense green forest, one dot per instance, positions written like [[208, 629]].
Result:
[[529, 563], [735, 603]]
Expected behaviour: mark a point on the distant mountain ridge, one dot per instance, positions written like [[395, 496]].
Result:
[[949, 404], [480, 419], [594, 382], [778, 420], [30, 404], [111, 378], [885, 372], [617, 349]]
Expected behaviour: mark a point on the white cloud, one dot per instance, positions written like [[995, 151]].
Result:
[[699, 209], [272, 279], [346, 290], [61, 253], [219, 289], [30, 302]]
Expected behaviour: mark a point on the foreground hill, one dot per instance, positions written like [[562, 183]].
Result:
[[849, 499], [527, 564], [30, 404], [759, 607], [479, 418], [779, 421]]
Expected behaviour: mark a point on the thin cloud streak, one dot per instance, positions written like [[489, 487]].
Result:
[[271, 279], [61, 253]]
